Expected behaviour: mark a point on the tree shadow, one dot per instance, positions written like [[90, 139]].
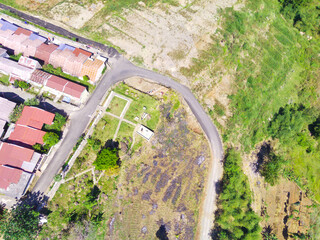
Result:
[[112, 144], [263, 152], [162, 233]]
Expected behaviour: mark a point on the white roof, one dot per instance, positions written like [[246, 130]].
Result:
[[6, 107], [145, 132], [28, 62], [11, 67], [2, 124]]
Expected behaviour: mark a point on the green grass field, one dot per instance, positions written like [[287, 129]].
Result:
[[142, 103], [116, 106]]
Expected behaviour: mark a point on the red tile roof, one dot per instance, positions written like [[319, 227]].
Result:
[[77, 51], [74, 89], [35, 117], [8, 176], [23, 31], [14, 155], [27, 135], [57, 83], [44, 51]]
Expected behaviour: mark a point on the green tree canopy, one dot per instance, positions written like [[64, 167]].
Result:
[[236, 219], [107, 159], [19, 224], [50, 139], [271, 167]]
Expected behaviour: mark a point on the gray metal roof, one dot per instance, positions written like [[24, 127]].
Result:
[[6, 107]]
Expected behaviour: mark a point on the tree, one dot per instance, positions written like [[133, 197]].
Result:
[[289, 121], [107, 159], [50, 139], [32, 102], [20, 223], [271, 167], [94, 143], [21, 84]]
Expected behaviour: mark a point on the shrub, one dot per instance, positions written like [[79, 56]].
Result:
[[16, 113], [50, 139], [107, 159]]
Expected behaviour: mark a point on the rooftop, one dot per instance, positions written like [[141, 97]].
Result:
[[6, 107], [27, 135], [35, 117]]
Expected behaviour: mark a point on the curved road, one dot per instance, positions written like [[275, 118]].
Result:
[[123, 69]]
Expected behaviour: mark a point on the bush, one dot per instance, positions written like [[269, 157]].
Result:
[[107, 159], [16, 113], [32, 102], [58, 122], [50, 139], [22, 84]]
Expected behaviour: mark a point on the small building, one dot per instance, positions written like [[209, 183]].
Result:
[[44, 51], [64, 87], [26, 136], [59, 56], [145, 132], [93, 69], [29, 62], [18, 157], [15, 70], [30, 45], [35, 117], [73, 64], [14, 182], [6, 107]]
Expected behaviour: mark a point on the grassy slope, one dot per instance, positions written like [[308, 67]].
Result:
[[273, 65]]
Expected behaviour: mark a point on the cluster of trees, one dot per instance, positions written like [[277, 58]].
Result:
[[235, 219], [22, 84], [22, 222], [305, 14]]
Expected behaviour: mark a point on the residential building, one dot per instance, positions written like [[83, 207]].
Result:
[[35, 117], [93, 69], [44, 51], [26, 136]]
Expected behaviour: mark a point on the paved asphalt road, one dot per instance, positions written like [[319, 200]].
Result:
[[121, 70]]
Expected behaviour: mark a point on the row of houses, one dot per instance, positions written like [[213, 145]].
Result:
[[74, 61], [27, 69], [17, 158]]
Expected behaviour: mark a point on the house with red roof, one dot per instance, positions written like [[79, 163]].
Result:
[[25, 135], [64, 87], [14, 182], [35, 117], [18, 157]]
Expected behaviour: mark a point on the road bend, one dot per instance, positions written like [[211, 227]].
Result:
[[121, 70]]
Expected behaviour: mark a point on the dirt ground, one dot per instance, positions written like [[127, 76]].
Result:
[[284, 208], [161, 186]]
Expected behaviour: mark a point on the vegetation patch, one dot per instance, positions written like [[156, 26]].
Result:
[[117, 105], [143, 109]]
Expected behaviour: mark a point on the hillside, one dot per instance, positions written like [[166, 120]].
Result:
[[254, 66]]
